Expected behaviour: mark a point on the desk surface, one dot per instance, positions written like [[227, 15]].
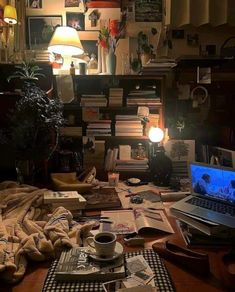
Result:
[[183, 280]]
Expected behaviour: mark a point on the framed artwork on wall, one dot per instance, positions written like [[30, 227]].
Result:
[[40, 30], [71, 3], [75, 20], [148, 10], [90, 47], [34, 4]]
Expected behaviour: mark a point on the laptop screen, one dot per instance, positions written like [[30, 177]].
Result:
[[213, 181]]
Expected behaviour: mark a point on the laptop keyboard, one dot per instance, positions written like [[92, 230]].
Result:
[[212, 205]]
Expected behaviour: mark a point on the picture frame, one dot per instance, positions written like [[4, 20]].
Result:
[[180, 152], [148, 11], [90, 47], [72, 3], [75, 20], [34, 4], [40, 30]]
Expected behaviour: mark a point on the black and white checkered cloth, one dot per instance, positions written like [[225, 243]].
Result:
[[162, 278]]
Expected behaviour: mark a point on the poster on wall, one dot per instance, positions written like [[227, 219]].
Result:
[[72, 3], [34, 4], [75, 20], [148, 10], [40, 30]]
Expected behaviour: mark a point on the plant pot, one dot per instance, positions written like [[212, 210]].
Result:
[[145, 58], [111, 61]]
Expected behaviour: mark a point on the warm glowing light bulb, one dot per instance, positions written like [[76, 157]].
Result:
[[156, 134]]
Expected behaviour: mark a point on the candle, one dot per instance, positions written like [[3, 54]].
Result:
[[113, 178]]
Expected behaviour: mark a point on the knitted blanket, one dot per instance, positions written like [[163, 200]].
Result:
[[29, 231]]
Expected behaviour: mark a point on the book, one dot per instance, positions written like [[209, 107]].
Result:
[[67, 197], [76, 265], [204, 226], [137, 220], [193, 237], [103, 198]]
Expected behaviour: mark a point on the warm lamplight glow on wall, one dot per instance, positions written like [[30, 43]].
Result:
[[10, 15], [156, 134], [65, 41]]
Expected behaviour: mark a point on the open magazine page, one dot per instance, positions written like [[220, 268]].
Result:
[[118, 221], [155, 219]]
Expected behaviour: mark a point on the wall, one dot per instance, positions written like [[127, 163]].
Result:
[[208, 35], [124, 46]]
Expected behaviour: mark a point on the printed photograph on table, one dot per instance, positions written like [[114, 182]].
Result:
[[148, 11], [34, 4], [72, 3], [40, 30], [75, 20]]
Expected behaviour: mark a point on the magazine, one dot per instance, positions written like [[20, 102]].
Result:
[[76, 265], [129, 221]]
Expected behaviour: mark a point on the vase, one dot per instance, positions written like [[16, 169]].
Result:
[[111, 63]]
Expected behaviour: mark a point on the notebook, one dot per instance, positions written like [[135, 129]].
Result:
[[212, 194]]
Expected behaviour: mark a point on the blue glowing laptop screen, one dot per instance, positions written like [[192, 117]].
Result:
[[213, 182]]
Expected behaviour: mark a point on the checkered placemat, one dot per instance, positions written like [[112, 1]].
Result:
[[162, 278]]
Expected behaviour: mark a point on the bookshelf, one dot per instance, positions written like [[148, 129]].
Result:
[[105, 107]]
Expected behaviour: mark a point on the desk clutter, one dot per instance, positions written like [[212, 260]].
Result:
[[146, 264]]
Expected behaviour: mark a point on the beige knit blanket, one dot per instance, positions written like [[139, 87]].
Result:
[[29, 231]]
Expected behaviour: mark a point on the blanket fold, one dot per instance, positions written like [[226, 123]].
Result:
[[28, 229]]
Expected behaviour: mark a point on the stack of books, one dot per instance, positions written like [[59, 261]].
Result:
[[201, 232], [99, 128], [70, 200], [128, 125], [93, 100], [143, 98], [115, 96], [131, 165], [159, 65]]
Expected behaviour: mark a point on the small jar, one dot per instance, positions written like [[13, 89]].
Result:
[[92, 66], [140, 152]]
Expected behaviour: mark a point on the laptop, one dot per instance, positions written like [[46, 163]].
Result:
[[212, 194]]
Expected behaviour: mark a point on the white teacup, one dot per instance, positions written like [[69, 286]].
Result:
[[104, 243]]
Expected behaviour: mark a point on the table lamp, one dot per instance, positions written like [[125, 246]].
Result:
[[160, 164], [66, 42], [10, 15]]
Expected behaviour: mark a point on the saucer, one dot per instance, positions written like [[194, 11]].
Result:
[[117, 252]]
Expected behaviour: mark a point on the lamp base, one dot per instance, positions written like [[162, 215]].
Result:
[[161, 169]]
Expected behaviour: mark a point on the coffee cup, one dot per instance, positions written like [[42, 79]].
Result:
[[104, 243]]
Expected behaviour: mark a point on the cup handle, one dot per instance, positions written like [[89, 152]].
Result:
[[90, 241]]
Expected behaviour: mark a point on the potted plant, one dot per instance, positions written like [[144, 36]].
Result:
[[35, 121], [145, 49]]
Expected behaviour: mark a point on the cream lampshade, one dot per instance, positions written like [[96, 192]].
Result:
[[65, 41], [10, 15]]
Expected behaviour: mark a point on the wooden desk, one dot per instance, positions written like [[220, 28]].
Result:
[[184, 281]]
